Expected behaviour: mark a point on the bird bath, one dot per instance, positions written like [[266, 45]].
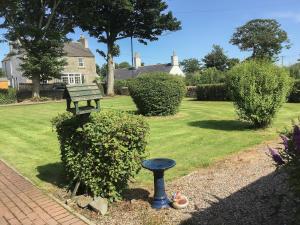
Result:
[[158, 167]]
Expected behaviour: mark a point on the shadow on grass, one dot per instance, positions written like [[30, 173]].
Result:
[[53, 173], [266, 201], [226, 125]]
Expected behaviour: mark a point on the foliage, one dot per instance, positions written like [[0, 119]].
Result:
[[206, 76], [295, 93], [8, 96], [295, 70], [119, 84], [110, 21], [157, 94], [192, 79], [103, 152], [211, 76], [259, 89], [212, 92], [2, 73], [216, 58], [37, 32], [289, 156], [264, 37], [191, 65], [123, 65]]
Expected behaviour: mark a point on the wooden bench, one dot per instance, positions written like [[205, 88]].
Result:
[[82, 92]]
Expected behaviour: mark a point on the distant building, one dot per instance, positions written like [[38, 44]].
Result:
[[81, 67], [127, 73]]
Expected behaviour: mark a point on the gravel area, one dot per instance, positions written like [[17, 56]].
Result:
[[243, 189]]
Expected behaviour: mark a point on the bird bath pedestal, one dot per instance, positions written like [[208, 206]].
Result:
[[158, 167]]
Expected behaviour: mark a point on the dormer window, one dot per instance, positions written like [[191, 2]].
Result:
[[80, 62]]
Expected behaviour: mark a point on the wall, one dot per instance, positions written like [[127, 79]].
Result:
[[89, 69], [176, 71]]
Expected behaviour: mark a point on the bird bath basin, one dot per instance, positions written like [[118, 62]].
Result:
[[158, 167]]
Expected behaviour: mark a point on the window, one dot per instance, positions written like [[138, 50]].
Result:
[[72, 78], [80, 62]]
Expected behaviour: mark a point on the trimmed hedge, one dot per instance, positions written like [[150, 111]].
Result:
[[8, 96], [157, 94], [295, 94], [212, 92], [103, 151]]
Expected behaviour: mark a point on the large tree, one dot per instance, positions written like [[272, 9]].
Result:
[[38, 32], [263, 37], [113, 20], [216, 58], [191, 65]]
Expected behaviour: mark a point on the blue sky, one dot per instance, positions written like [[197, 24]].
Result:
[[205, 23]]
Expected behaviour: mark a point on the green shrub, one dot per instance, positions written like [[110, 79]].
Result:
[[192, 79], [295, 94], [295, 70], [258, 89], [212, 92], [207, 76], [119, 84], [104, 152], [211, 76], [8, 96], [157, 94]]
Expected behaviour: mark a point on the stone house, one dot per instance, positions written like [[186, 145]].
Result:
[[171, 68], [80, 68]]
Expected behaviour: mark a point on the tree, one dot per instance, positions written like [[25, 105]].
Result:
[[191, 65], [264, 37], [113, 20], [123, 65], [231, 62], [38, 33], [216, 58]]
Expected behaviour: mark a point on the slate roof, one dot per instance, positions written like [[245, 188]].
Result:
[[123, 74], [72, 49], [75, 49]]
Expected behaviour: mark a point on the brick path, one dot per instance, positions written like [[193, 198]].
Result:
[[21, 203]]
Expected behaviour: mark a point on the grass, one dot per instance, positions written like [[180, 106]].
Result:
[[200, 134]]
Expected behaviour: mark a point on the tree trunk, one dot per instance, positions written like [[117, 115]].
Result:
[[36, 86], [110, 71]]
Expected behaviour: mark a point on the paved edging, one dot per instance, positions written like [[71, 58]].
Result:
[[21, 202]]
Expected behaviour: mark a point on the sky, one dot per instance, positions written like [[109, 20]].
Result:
[[204, 23]]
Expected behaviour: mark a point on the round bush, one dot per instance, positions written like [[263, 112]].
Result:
[[104, 151], [258, 89], [157, 94]]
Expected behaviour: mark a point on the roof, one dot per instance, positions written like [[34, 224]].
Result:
[[76, 49], [123, 74], [72, 49]]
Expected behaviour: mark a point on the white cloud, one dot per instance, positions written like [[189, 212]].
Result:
[[295, 16]]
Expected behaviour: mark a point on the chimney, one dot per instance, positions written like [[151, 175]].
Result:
[[84, 41], [137, 61], [174, 59]]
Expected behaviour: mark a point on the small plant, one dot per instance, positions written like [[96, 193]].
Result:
[[104, 151], [157, 94], [259, 89], [8, 96]]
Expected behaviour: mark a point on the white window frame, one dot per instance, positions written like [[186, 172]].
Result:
[[72, 78], [81, 62]]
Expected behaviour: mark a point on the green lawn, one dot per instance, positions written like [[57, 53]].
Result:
[[199, 134]]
